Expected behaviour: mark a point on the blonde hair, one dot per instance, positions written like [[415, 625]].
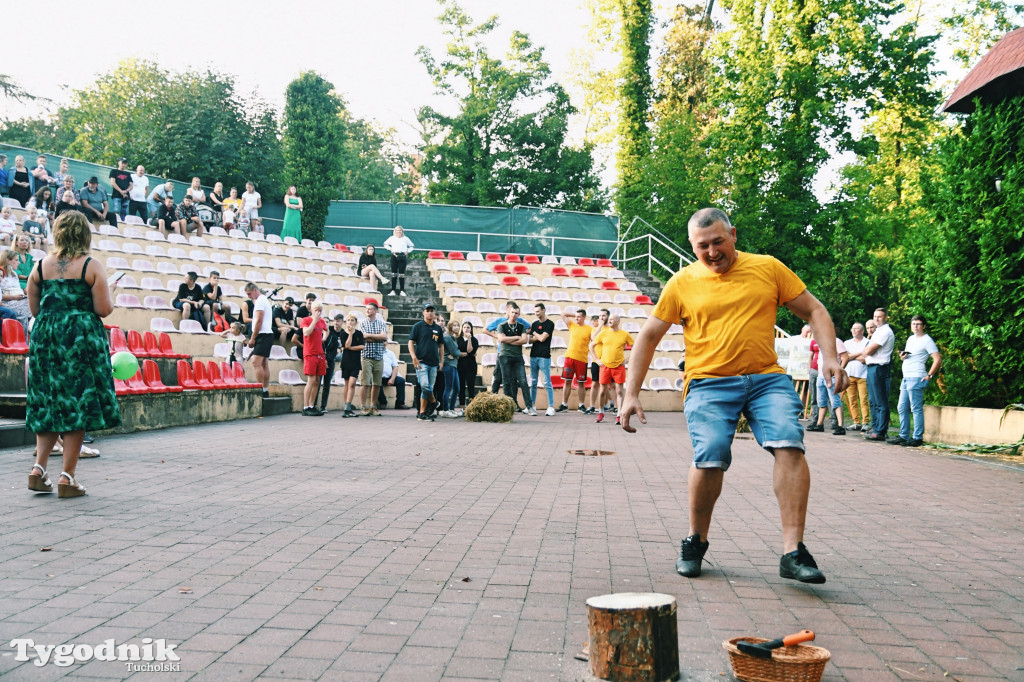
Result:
[[454, 328], [351, 316], [71, 236], [5, 261]]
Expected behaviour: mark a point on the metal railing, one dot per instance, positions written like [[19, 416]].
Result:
[[643, 249]]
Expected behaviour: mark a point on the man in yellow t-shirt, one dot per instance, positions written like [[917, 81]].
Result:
[[609, 347], [727, 302], [576, 358]]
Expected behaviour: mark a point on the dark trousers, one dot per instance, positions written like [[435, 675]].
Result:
[[513, 374], [94, 218], [467, 382], [382, 400], [139, 208], [879, 382], [398, 263], [496, 377], [325, 387]]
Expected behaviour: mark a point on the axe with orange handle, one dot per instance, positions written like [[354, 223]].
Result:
[[764, 649]]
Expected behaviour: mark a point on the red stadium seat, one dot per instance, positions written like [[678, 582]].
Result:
[[604, 263], [510, 281], [501, 269], [240, 377], [136, 385], [151, 375], [577, 272], [152, 345], [456, 255], [202, 376], [216, 379], [513, 258], [185, 377], [533, 260], [521, 270], [340, 247], [228, 374], [118, 342], [643, 300], [492, 258], [370, 299], [557, 382], [586, 262], [167, 348], [120, 388], [435, 254], [609, 285], [13, 335], [136, 345], [559, 271]]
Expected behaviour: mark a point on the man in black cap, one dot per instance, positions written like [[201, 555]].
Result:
[[425, 341], [120, 187], [94, 203]]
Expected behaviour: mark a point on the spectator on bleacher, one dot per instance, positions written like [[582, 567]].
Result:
[[14, 296], [35, 226], [391, 377], [230, 208], [235, 336], [216, 202], [256, 226], [285, 327], [610, 346], [120, 188], [21, 182], [425, 348], [262, 338], [158, 196], [42, 200], [165, 218], [292, 225], [70, 391], [41, 175], [190, 300], [352, 344], [63, 170], [400, 247], [138, 194], [916, 378], [576, 358], [5, 176], [22, 247], [599, 323], [367, 267], [8, 226], [375, 336], [332, 346], [314, 361], [94, 203], [513, 335], [450, 368], [468, 346], [195, 190], [252, 202], [306, 309], [857, 393], [188, 216], [541, 332], [68, 198], [213, 299]]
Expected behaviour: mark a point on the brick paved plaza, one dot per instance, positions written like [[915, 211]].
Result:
[[366, 549]]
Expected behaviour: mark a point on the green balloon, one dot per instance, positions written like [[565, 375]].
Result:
[[124, 364]]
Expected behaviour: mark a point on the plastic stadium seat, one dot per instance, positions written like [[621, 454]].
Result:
[[498, 294], [605, 263], [154, 236], [609, 285], [675, 329], [560, 296], [540, 296], [128, 301], [463, 307], [308, 243], [136, 346], [549, 260], [501, 269], [558, 342], [486, 307], [469, 278], [533, 260], [448, 278], [456, 255], [485, 340], [489, 359], [559, 272], [202, 375], [136, 385], [13, 335], [642, 299], [661, 384], [455, 292], [480, 267], [278, 353], [474, 255], [513, 258], [622, 298], [570, 284], [218, 381], [521, 270], [586, 262], [492, 258], [670, 346], [601, 297], [151, 375], [191, 327], [442, 266], [557, 382], [167, 348], [240, 377], [631, 327], [510, 281], [589, 284], [289, 377], [476, 293], [186, 379], [577, 272], [664, 363], [518, 295], [435, 254], [628, 286], [567, 260], [341, 247], [118, 341], [581, 297]]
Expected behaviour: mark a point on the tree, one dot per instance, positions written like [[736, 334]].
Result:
[[973, 27], [313, 140], [506, 142], [635, 100], [370, 156]]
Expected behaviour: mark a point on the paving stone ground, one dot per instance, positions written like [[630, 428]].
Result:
[[365, 549]]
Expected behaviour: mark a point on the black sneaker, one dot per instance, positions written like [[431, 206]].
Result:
[[912, 443], [310, 412], [425, 418], [691, 554], [591, 410], [898, 440], [816, 427], [562, 408], [799, 565], [582, 409], [839, 431], [349, 413]]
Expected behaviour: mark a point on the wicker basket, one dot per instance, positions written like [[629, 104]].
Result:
[[798, 663]]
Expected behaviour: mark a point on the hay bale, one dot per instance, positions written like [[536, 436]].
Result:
[[742, 426], [488, 407]]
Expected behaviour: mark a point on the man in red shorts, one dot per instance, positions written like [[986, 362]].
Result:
[[609, 347], [576, 358], [314, 363]]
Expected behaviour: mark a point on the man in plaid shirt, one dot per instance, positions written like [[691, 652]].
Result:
[[376, 334]]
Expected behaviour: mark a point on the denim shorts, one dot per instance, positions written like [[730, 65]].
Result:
[[427, 376], [713, 407]]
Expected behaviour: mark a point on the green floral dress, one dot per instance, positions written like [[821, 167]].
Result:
[[70, 384]]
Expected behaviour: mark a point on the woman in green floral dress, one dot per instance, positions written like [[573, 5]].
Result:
[[70, 384]]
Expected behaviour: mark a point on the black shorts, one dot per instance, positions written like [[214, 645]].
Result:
[[350, 371], [264, 342], [595, 372]]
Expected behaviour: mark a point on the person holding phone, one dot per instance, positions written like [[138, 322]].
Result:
[[314, 362], [916, 379]]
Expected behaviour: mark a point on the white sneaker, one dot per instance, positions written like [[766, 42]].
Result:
[[401, 293], [532, 412], [550, 412]]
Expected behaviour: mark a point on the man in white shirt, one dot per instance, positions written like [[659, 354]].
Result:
[[138, 194], [916, 378], [391, 377], [262, 339], [399, 245], [857, 393], [877, 356]]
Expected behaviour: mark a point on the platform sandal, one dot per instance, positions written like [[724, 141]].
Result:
[[40, 483], [72, 489]]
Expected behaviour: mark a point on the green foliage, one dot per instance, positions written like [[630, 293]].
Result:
[[635, 90], [965, 270], [973, 27], [370, 156], [314, 141], [506, 143]]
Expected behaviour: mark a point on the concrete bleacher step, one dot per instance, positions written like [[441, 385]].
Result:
[[647, 283], [276, 405], [13, 433]]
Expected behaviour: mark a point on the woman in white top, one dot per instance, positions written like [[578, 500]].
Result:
[[14, 296], [400, 246], [857, 393], [916, 378], [196, 192]]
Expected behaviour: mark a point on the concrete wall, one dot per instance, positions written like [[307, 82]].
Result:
[[148, 412], [959, 425]]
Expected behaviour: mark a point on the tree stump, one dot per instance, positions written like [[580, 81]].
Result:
[[633, 637]]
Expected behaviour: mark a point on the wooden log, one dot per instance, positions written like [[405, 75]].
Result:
[[633, 637]]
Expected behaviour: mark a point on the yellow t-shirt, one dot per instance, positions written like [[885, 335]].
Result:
[[579, 341], [729, 320], [610, 346]]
